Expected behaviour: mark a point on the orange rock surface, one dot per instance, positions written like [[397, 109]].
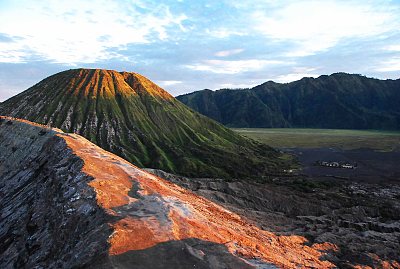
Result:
[[161, 211]]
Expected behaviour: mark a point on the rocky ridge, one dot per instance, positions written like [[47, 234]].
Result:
[[67, 203]]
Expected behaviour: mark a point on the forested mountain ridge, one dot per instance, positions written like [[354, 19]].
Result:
[[340, 100]]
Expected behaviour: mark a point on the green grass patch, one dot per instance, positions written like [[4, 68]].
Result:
[[332, 138]]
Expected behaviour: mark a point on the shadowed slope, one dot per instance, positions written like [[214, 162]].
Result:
[[49, 217], [54, 201], [132, 117]]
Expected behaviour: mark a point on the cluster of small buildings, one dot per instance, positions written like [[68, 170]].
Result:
[[336, 164]]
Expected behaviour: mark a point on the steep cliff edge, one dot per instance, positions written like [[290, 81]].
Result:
[[67, 203], [49, 214]]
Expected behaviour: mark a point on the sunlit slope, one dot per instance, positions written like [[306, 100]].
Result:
[[132, 117]]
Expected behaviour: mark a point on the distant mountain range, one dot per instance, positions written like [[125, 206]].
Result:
[[129, 115], [340, 101]]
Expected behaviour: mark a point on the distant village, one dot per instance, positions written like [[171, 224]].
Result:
[[337, 164]]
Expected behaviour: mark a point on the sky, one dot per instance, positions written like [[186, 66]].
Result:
[[189, 45]]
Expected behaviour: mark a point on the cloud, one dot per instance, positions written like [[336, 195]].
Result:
[[225, 53], [80, 31], [390, 65], [251, 84], [232, 67], [224, 32], [168, 82], [314, 26], [392, 48], [293, 77], [12, 53], [5, 38], [295, 73]]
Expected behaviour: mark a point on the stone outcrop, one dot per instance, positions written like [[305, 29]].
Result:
[[360, 223]]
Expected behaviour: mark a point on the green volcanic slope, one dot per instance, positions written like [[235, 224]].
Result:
[[339, 101], [127, 114]]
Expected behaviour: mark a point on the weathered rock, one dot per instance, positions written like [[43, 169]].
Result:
[[43, 223], [357, 225]]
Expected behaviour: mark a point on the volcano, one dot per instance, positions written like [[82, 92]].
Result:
[[127, 114]]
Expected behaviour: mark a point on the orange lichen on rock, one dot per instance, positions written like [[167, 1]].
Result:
[[325, 247], [135, 233]]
